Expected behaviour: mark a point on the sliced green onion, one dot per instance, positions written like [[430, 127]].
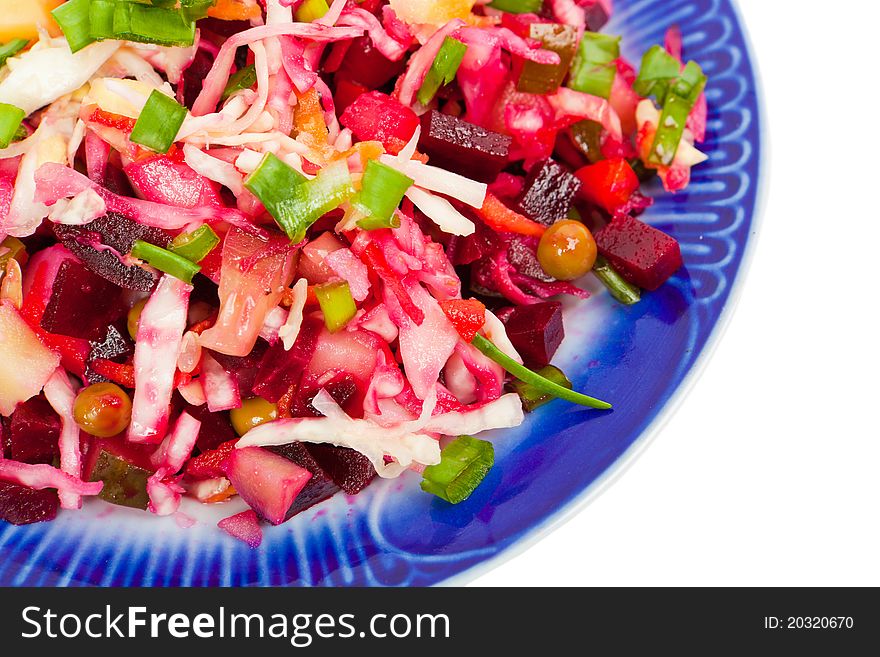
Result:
[[518, 6], [151, 24], [337, 304], [594, 69], [443, 69], [165, 260], [195, 9], [680, 99], [101, 19], [532, 397], [10, 121], [547, 78], [622, 290], [526, 375], [381, 193], [464, 463], [311, 10], [73, 18], [195, 246], [159, 122], [658, 69], [11, 49], [294, 201], [243, 78]]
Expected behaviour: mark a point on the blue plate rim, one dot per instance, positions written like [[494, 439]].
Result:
[[625, 461]]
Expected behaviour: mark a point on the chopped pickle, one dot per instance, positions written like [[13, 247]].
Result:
[[587, 136], [532, 397], [12, 247], [547, 78], [124, 484]]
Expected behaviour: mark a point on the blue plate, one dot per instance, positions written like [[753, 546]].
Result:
[[640, 358]]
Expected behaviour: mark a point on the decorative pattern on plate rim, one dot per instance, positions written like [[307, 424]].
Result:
[[394, 534]]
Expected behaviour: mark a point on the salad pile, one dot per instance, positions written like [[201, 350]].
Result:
[[269, 249]]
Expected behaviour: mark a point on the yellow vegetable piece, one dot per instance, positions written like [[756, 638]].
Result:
[[19, 18], [437, 12]]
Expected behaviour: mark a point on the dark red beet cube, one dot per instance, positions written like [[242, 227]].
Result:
[[643, 255], [82, 304], [216, 428], [280, 369], [119, 233], [536, 331], [365, 65], [23, 506], [522, 253], [378, 117], [34, 429], [463, 147], [244, 368], [320, 487], [351, 470], [114, 346], [548, 194], [344, 390], [596, 17]]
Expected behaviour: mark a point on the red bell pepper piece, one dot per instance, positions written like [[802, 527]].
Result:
[[499, 217], [208, 465], [123, 374], [110, 120], [347, 92], [643, 255], [375, 259], [467, 316], [608, 184], [376, 116]]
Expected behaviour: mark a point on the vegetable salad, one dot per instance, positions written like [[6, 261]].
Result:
[[272, 249]]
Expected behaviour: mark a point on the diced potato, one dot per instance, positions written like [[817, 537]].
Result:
[[19, 18], [25, 363], [435, 12]]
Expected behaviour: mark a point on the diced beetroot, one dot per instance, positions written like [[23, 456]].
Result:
[[536, 331], [23, 506], [596, 16], [320, 487], [82, 304], [643, 255], [269, 483], [280, 369], [244, 526], [365, 65], [343, 388], [351, 470], [549, 192], [520, 24], [378, 117], [216, 428], [119, 233], [244, 369], [522, 253], [34, 429], [463, 147], [191, 82], [210, 463], [467, 250], [345, 94], [162, 180], [312, 262], [115, 345], [345, 352]]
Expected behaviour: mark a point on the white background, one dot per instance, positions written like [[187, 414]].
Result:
[[769, 473]]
